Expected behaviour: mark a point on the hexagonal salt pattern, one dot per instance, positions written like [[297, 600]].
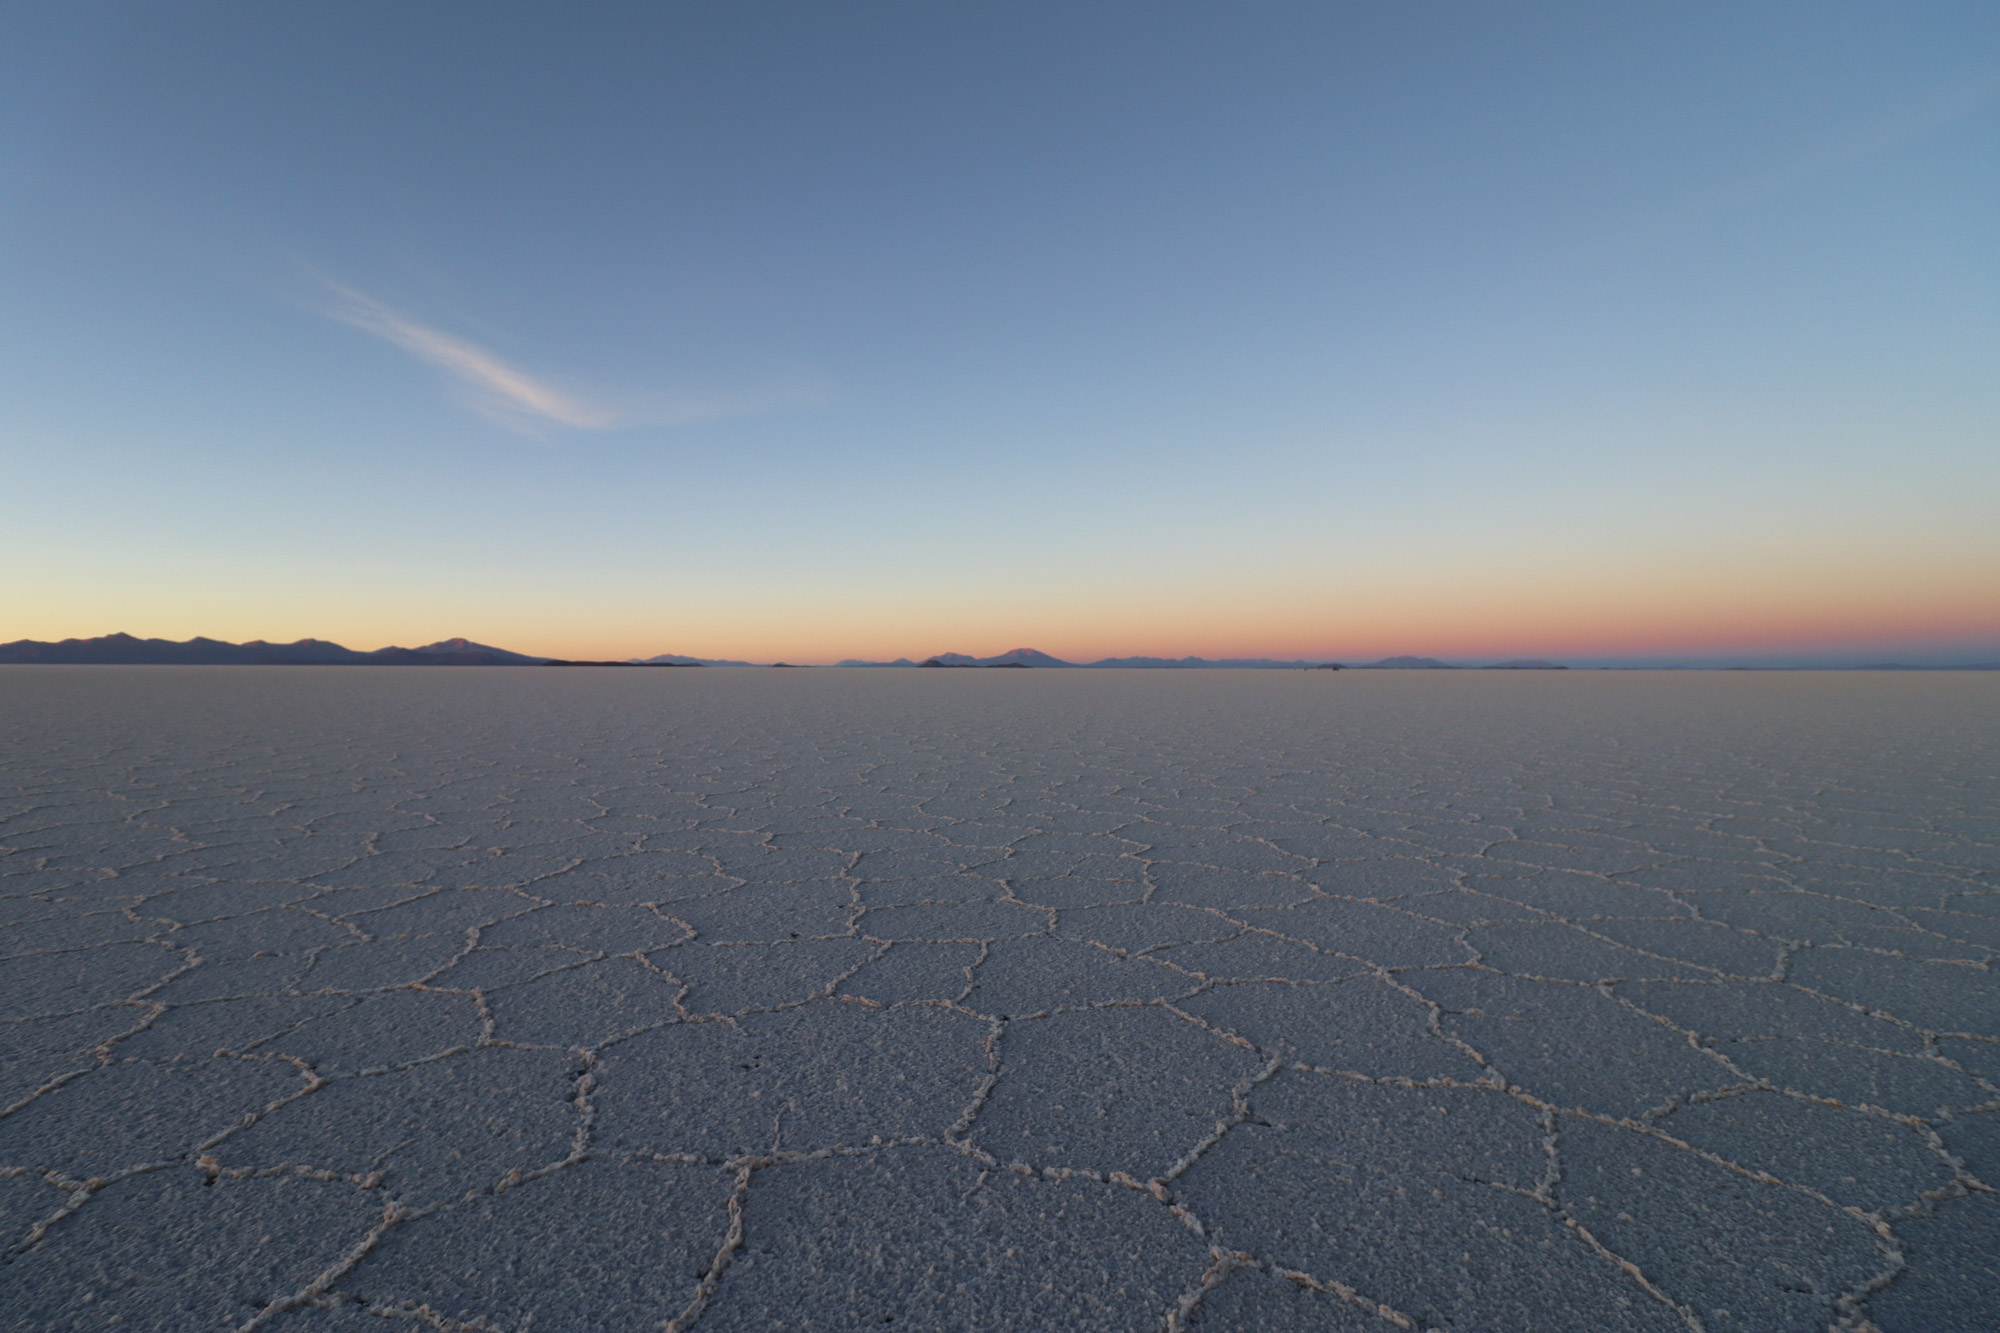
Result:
[[554, 1000]]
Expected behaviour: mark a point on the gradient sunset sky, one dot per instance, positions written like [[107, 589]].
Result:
[[864, 330]]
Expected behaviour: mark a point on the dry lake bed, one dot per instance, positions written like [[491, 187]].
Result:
[[344, 999]]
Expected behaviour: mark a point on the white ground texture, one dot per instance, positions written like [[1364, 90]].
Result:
[[364, 998]]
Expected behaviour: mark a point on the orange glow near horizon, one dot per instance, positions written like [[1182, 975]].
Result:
[[1518, 608]]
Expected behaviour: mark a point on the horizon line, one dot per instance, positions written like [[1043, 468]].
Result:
[[105, 649]]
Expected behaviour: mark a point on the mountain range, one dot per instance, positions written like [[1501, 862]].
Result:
[[1032, 657], [675, 659], [125, 650]]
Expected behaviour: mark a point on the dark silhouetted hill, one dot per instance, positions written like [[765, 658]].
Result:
[[453, 652], [1025, 657], [676, 659], [1209, 663], [1031, 657], [125, 650]]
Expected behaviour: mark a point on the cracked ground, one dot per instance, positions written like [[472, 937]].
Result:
[[344, 999]]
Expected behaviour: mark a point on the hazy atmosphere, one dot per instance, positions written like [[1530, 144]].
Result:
[[804, 332]]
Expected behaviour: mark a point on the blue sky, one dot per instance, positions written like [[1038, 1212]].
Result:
[[825, 331]]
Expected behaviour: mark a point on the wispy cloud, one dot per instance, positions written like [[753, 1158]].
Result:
[[497, 389]]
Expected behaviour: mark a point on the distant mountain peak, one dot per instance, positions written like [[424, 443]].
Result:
[[1013, 657], [126, 650], [1028, 657], [679, 659], [461, 646]]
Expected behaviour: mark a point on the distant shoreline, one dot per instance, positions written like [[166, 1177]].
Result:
[[125, 650]]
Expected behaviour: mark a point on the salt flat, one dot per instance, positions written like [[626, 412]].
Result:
[[361, 998]]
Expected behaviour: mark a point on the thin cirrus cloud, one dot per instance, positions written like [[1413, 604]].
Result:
[[497, 389]]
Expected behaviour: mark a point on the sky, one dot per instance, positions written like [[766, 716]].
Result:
[[1593, 332]]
